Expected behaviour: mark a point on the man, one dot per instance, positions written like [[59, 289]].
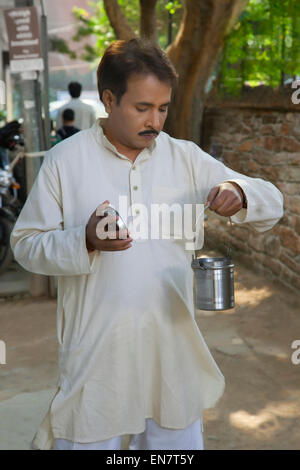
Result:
[[84, 114], [68, 127], [132, 361]]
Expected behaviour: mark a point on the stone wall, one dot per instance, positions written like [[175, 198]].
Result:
[[259, 143]]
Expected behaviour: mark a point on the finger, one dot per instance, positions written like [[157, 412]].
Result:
[[116, 241], [117, 249], [115, 235], [115, 245], [225, 197], [232, 196], [228, 204], [211, 196], [227, 209], [101, 207], [220, 200]]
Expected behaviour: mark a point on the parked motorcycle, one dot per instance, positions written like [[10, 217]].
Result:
[[10, 205]]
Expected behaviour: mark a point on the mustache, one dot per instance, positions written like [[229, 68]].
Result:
[[153, 131]]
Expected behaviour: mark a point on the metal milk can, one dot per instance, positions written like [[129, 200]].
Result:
[[214, 282]]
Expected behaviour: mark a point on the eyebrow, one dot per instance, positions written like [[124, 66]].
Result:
[[150, 104]]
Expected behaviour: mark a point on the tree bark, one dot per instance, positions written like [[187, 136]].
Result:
[[194, 54], [118, 20], [148, 20]]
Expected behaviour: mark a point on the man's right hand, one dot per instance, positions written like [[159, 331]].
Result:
[[97, 236]]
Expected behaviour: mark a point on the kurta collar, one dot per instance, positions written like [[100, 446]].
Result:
[[103, 140]]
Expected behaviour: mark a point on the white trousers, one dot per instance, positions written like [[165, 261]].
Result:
[[153, 438]]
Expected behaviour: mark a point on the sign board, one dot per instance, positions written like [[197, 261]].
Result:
[[23, 39]]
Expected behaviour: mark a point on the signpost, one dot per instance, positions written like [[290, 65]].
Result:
[[25, 54], [23, 39]]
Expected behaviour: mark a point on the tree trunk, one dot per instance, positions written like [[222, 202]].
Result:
[[118, 20], [148, 20], [194, 54]]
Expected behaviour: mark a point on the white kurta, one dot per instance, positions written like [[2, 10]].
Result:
[[129, 346]]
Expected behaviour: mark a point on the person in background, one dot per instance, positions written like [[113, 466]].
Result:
[[84, 114], [68, 127]]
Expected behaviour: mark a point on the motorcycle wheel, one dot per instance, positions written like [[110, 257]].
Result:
[[6, 254]]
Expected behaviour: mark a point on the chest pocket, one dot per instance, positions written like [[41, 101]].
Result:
[[167, 214]]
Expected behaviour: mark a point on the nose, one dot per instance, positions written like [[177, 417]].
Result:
[[154, 120]]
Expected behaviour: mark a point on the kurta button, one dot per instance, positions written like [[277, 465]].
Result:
[[137, 211], [135, 187], [134, 167]]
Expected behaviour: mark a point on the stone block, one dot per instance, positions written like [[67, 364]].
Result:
[[285, 129], [272, 246], [289, 239], [296, 223], [246, 146], [267, 130], [289, 262], [259, 142], [273, 143], [270, 172], [289, 174], [286, 275], [273, 265], [269, 118], [286, 158], [292, 203], [290, 144], [241, 234], [295, 281], [262, 157]]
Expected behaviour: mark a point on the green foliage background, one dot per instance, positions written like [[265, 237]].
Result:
[[98, 24], [262, 48]]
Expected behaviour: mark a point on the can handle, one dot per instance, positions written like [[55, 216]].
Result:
[[229, 248]]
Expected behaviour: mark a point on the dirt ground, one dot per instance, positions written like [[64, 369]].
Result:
[[260, 408]]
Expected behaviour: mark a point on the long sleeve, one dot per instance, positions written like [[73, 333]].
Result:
[[264, 200], [39, 241]]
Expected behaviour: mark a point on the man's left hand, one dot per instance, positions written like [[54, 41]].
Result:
[[226, 199]]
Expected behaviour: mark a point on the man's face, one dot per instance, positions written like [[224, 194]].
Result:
[[141, 113]]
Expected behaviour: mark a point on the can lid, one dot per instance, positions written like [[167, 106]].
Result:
[[212, 263]]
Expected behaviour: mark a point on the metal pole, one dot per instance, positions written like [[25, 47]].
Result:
[[45, 49], [29, 88], [46, 125]]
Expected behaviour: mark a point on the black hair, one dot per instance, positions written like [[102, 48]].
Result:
[[124, 58], [68, 115], [75, 89]]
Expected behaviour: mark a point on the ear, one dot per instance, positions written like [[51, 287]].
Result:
[[108, 99]]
